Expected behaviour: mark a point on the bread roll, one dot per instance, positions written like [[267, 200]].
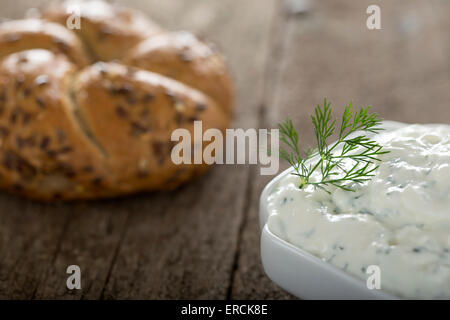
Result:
[[75, 125]]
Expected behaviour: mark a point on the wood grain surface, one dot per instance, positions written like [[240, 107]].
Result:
[[202, 241]]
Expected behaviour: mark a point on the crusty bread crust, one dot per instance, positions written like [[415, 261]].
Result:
[[19, 35], [108, 31], [70, 130], [182, 56]]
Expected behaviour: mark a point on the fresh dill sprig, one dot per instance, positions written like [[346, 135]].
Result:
[[333, 160]]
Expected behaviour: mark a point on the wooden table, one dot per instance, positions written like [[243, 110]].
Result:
[[202, 241]]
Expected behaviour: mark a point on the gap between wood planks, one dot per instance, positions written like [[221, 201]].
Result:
[[246, 210], [55, 255], [115, 255], [277, 47]]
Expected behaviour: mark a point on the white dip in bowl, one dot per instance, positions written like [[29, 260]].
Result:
[[398, 221]]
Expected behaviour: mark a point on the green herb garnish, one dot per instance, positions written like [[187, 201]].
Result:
[[332, 160]]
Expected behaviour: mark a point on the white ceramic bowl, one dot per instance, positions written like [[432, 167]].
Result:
[[301, 273]]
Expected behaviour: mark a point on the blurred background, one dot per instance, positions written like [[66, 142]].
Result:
[[203, 241]]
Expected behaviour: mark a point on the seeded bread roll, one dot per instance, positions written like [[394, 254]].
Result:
[[103, 132], [132, 113], [74, 127], [18, 35], [108, 31], [182, 56]]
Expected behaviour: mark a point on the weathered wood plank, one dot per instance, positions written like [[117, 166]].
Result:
[[249, 280], [401, 70], [90, 241], [30, 234], [333, 54]]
